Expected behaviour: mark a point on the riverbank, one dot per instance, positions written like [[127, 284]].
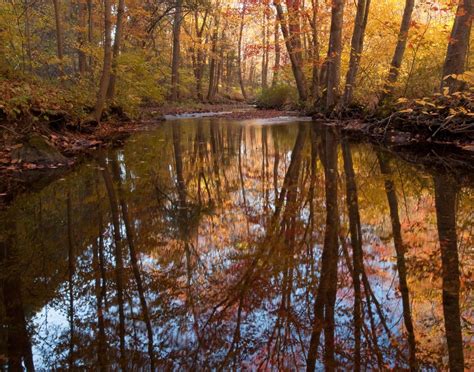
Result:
[[46, 142], [41, 148]]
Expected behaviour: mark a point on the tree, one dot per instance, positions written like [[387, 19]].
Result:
[[458, 46], [213, 68], [239, 57], [334, 53], [200, 55], [107, 64], [315, 52], [291, 31], [116, 49], [357, 45], [178, 17], [399, 50], [276, 66]]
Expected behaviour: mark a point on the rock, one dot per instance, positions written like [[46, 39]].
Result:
[[36, 149]]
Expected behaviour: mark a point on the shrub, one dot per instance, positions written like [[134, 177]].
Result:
[[276, 97]]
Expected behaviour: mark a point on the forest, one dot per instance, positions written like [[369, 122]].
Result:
[[275, 185], [89, 57]]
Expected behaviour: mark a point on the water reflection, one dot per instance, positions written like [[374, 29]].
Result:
[[210, 245]]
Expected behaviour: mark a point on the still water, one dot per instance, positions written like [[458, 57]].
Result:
[[212, 245]]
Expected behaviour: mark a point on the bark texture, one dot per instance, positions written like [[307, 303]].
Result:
[[116, 49], [458, 47], [357, 45], [291, 31], [400, 49], [334, 54], [105, 77]]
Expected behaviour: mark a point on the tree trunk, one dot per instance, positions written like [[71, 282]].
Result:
[[213, 64], [178, 17], [199, 68], [81, 37], [239, 57], [357, 45], [458, 47], [105, 77], [334, 53], [59, 35], [229, 71], [291, 33], [265, 28], [445, 199], [399, 50], [276, 67], [116, 49], [315, 52]]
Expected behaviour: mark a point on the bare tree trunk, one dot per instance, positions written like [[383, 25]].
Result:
[[276, 67], [334, 53], [445, 198], [81, 38], [199, 68], [458, 47], [105, 77], [175, 63], [315, 52], [229, 70], [399, 50], [357, 45], [116, 49], [239, 57], [291, 33], [265, 42], [59, 35], [213, 64], [220, 69]]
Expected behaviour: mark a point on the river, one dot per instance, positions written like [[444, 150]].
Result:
[[208, 244]]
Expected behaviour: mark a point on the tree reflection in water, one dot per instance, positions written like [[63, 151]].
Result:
[[212, 245]]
